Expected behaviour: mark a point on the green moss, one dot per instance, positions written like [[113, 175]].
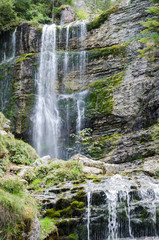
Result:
[[96, 23], [40, 30], [23, 118], [76, 189], [77, 204], [100, 99], [80, 196], [51, 213], [24, 57], [73, 236], [74, 209], [115, 50], [60, 172], [79, 182], [102, 146], [157, 173]]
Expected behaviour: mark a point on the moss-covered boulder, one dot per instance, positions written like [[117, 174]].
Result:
[[11, 149]]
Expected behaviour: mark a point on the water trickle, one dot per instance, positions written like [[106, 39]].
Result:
[[46, 119], [128, 209], [80, 110], [88, 213], [66, 58], [13, 43], [83, 52], [112, 219]]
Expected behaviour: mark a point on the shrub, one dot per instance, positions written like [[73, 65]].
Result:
[[81, 14], [12, 185]]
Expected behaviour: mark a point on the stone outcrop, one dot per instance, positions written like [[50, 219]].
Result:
[[67, 15]]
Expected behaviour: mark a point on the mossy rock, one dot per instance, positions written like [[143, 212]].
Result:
[[100, 147], [115, 50], [51, 213], [96, 23], [100, 98], [62, 203], [67, 227], [76, 189], [77, 204], [24, 57], [15, 150], [80, 196]]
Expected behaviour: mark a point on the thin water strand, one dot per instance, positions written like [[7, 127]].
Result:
[[88, 213]]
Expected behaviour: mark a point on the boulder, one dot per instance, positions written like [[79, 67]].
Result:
[[43, 160], [67, 15], [95, 167]]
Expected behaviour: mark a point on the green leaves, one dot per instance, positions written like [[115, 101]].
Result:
[[8, 17]]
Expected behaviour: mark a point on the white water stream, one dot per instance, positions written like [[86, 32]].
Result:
[[47, 128], [46, 120]]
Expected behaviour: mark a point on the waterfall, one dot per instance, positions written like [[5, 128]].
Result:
[[9, 49], [46, 119], [128, 210], [52, 123]]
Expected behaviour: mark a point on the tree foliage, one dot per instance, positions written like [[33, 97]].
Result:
[[151, 32], [7, 14]]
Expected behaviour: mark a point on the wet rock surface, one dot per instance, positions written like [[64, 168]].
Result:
[[109, 208]]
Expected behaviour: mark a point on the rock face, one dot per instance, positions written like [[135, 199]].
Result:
[[67, 15]]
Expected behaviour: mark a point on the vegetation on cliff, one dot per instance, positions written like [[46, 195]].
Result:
[[102, 18], [18, 209], [11, 149], [151, 32], [13, 12]]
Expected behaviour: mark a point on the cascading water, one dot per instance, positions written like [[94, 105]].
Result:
[[46, 119], [52, 124], [128, 210]]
